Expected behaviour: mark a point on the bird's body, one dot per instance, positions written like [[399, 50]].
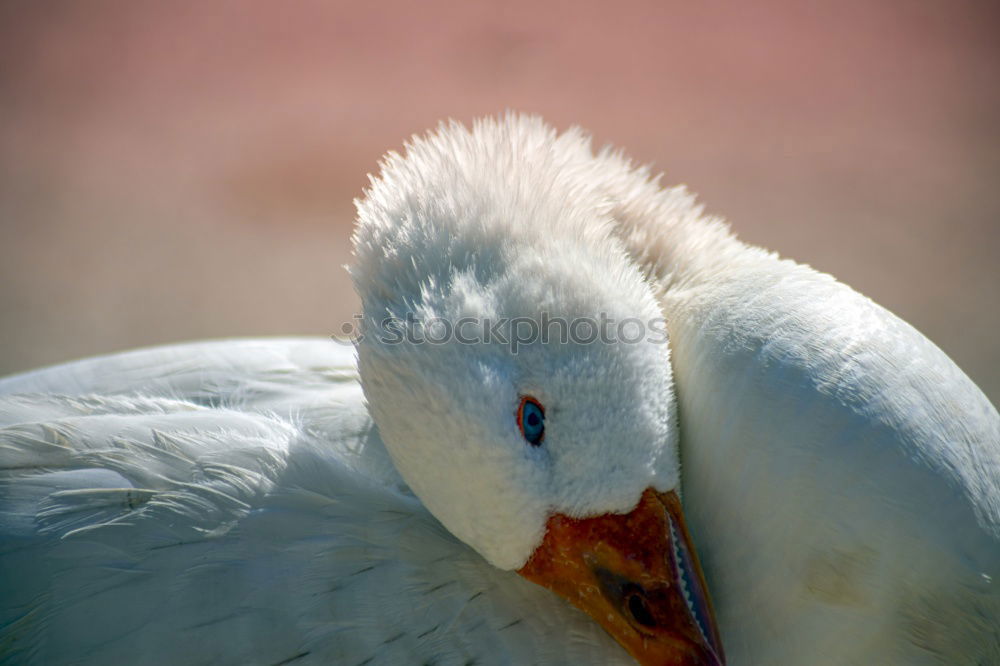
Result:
[[234, 500], [846, 464], [231, 503]]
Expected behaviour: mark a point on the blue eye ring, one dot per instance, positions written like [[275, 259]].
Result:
[[531, 420]]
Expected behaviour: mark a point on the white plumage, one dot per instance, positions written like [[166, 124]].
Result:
[[232, 501]]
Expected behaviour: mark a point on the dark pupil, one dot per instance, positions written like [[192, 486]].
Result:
[[533, 419]]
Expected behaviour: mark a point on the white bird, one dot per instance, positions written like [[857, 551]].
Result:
[[233, 502]]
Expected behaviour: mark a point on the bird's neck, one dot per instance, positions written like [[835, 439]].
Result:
[[668, 234]]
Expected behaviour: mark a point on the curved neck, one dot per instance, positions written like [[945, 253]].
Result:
[[665, 230]]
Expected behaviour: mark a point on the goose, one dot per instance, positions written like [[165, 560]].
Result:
[[271, 501], [278, 501]]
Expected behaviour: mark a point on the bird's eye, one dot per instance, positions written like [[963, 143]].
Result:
[[531, 420]]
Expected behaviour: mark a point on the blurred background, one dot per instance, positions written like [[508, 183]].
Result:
[[182, 170]]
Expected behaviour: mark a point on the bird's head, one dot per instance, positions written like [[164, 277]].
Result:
[[514, 359]]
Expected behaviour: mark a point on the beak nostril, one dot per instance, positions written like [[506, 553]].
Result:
[[636, 603]]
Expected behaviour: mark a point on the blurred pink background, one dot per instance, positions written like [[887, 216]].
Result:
[[185, 170]]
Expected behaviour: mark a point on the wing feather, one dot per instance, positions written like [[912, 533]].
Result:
[[232, 503]]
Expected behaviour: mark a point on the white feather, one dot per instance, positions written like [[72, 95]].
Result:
[[231, 503]]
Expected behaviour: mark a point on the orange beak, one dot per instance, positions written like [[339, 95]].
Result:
[[638, 576]]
